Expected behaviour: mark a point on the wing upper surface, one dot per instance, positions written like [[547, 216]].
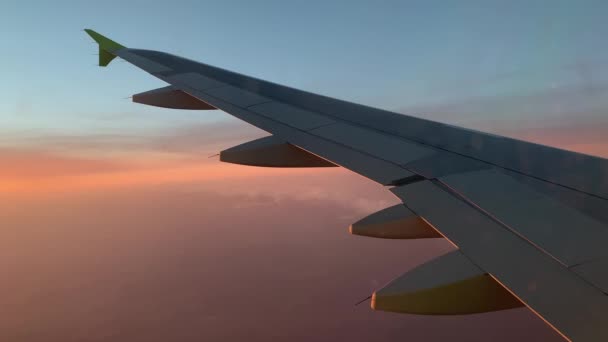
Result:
[[532, 216], [574, 170]]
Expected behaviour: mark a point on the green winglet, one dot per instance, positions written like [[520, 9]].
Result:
[[107, 47]]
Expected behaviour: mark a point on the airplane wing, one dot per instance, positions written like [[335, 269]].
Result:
[[528, 221]]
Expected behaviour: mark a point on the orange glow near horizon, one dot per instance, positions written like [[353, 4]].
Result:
[[30, 172], [137, 198], [158, 174]]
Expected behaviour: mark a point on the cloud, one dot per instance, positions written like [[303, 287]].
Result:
[[60, 162], [201, 139], [161, 263], [187, 140], [19, 163], [178, 159], [145, 238]]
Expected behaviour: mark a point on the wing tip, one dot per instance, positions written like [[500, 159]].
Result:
[[107, 47]]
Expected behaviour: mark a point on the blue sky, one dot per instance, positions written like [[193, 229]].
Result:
[[391, 54]]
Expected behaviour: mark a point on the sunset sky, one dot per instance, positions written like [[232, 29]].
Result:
[[116, 225]]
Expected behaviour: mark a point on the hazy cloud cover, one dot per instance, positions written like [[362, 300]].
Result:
[[167, 263], [152, 242]]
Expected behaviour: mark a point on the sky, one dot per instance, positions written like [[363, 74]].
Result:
[[115, 224]]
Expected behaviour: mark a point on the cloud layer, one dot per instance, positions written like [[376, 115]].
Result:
[[144, 238], [186, 264]]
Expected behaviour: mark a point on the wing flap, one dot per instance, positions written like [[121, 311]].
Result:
[[595, 272], [236, 96], [292, 116], [544, 284], [192, 81], [444, 163], [565, 233], [384, 146], [146, 64]]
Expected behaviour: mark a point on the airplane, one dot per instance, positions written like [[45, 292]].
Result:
[[529, 222]]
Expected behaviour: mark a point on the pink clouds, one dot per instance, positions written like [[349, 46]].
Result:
[[147, 239], [189, 263]]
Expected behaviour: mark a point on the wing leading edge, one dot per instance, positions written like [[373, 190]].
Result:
[[529, 221]]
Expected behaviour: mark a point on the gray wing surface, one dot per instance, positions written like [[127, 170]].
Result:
[[530, 218]]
